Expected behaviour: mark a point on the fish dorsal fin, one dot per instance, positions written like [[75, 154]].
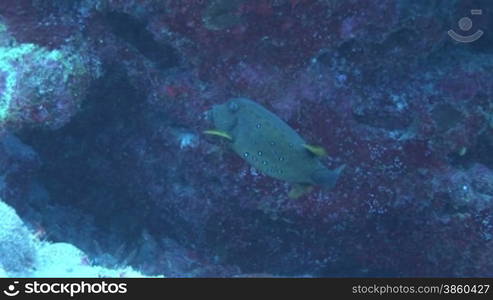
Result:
[[315, 150], [219, 133]]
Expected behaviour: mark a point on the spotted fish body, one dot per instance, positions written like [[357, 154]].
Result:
[[269, 144]]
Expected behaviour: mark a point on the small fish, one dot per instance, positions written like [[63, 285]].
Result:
[[271, 146]]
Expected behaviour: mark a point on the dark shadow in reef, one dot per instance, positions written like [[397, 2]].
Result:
[[480, 152], [135, 33], [85, 169]]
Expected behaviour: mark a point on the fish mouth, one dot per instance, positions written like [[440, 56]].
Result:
[[208, 115]]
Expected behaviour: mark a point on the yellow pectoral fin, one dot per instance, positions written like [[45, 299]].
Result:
[[315, 150], [218, 133], [299, 190]]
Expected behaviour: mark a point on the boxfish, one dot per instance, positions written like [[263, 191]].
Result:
[[271, 146]]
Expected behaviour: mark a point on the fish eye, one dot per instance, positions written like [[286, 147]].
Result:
[[233, 106]]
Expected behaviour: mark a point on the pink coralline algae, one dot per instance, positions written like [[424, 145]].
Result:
[[114, 102]]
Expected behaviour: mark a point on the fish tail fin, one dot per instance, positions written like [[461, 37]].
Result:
[[327, 178]]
